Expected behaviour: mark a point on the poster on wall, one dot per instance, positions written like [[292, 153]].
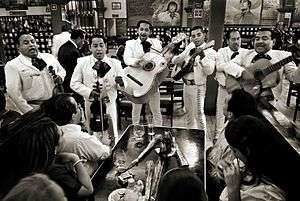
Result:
[[158, 12], [296, 16], [243, 11]]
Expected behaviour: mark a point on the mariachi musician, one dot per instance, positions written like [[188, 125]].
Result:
[[28, 77], [107, 71], [134, 51], [197, 64]]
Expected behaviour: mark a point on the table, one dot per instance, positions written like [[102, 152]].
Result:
[[190, 142]]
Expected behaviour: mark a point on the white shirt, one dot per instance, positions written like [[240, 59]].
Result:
[[59, 40], [25, 82], [202, 68], [83, 144], [84, 76], [134, 50], [223, 56]]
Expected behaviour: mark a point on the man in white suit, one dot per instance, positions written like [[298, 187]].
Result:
[[194, 79], [85, 77], [134, 51], [224, 55], [28, 79]]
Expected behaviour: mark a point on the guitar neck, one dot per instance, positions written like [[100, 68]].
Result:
[[277, 66]]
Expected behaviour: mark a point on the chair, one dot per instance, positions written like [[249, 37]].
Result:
[[294, 90]]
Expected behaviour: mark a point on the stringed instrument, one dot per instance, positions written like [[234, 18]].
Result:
[[265, 75], [178, 73], [144, 80], [58, 88]]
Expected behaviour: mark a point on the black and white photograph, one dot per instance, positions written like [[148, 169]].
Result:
[[149, 100]]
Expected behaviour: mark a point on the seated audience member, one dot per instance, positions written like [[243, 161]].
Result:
[[271, 170], [66, 112], [31, 147], [6, 116], [37, 187], [238, 103], [181, 184]]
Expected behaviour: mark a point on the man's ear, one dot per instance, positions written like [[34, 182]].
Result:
[[273, 42]]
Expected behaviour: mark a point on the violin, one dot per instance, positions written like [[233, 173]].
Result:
[[98, 120], [58, 88]]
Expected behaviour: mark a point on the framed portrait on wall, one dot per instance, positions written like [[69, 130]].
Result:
[[166, 13], [243, 11], [269, 12], [158, 12]]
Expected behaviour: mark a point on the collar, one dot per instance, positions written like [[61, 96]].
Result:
[[71, 128], [139, 40], [268, 52], [27, 60], [73, 43]]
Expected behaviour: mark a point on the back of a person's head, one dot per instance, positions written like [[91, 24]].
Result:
[[66, 26], [179, 185], [77, 33], [242, 103], [59, 108], [267, 154], [37, 187], [30, 143]]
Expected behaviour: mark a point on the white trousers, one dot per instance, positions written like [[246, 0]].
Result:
[[154, 103], [194, 96], [220, 118]]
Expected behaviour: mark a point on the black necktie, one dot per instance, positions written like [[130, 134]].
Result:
[[146, 46], [38, 63], [102, 68], [261, 56], [234, 55]]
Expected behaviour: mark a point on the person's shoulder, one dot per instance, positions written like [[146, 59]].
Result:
[[115, 61], [84, 59], [280, 53], [13, 61]]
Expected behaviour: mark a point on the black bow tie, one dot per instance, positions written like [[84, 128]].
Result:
[[234, 55], [146, 46], [261, 56], [102, 68], [38, 63], [192, 51]]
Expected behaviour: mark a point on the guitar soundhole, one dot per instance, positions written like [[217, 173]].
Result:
[[149, 66]]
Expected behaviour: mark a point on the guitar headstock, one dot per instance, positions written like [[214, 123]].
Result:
[[178, 38]]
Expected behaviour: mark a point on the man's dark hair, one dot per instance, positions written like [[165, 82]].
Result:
[[227, 35], [197, 27], [100, 36], [59, 108], [145, 22], [18, 36], [266, 29], [76, 33], [242, 103], [248, 1], [172, 3]]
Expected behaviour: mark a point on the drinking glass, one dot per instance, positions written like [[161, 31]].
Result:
[[150, 127], [138, 134]]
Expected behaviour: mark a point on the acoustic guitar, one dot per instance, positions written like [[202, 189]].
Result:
[[178, 73], [144, 80], [264, 75]]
